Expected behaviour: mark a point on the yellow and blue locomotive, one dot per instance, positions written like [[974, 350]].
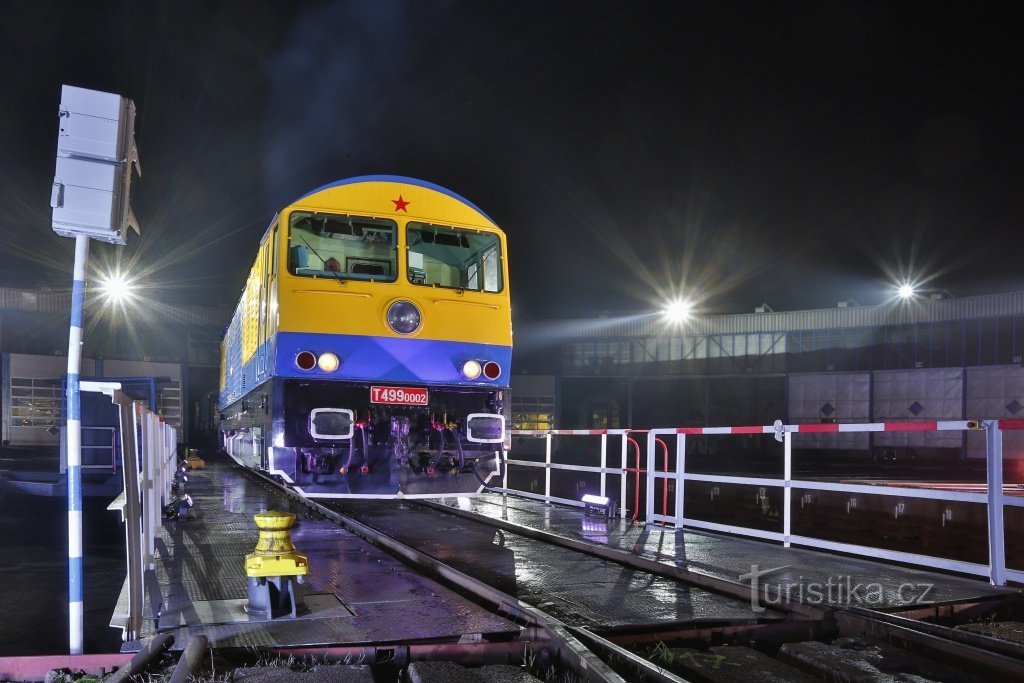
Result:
[[371, 348]]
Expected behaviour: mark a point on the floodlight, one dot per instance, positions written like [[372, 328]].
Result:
[[599, 504], [677, 310], [117, 288], [906, 290]]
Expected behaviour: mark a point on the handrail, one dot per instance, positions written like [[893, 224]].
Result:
[[994, 496], [638, 471], [664, 484]]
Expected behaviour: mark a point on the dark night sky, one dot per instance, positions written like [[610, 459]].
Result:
[[741, 152]]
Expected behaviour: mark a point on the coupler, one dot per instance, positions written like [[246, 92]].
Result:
[[275, 570]]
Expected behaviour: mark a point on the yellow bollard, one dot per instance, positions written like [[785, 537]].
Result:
[[275, 554], [274, 569], [193, 460]]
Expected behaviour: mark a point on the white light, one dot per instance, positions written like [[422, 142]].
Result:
[[471, 369], [906, 290], [596, 500], [678, 310], [328, 362], [116, 288]]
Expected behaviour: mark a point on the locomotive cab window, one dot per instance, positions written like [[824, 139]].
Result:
[[342, 247], [443, 256]]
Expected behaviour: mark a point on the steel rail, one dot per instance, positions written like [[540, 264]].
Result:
[[974, 647], [561, 644], [573, 647], [715, 584], [993, 655]]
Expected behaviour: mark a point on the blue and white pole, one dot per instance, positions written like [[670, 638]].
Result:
[[73, 430]]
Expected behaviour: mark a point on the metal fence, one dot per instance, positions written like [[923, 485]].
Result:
[[674, 475], [148, 456]]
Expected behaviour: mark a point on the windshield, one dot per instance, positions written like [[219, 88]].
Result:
[[453, 257], [342, 247]]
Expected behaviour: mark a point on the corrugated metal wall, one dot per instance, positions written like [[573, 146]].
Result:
[[924, 394], [988, 392], [995, 391], [895, 313], [830, 396]]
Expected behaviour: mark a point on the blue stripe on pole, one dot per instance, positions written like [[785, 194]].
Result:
[[74, 398], [74, 488], [74, 579], [77, 298]]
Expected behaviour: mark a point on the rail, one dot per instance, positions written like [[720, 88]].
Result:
[[602, 469], [994, 497]]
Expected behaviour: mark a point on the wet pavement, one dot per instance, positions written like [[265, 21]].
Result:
[[809, 576], [578, 589], [355, 593]]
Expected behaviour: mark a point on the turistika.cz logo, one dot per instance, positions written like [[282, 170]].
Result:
[[835, 590]]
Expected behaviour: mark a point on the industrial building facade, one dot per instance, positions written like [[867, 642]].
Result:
[[176, 343], [928, 359]]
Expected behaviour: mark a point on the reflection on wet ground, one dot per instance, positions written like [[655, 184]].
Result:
[[578, 589], [724, 556]]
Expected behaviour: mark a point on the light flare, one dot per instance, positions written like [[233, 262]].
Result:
[[117, 288], [678, 310]]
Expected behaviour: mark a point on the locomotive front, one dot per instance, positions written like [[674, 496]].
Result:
[[375, 334]]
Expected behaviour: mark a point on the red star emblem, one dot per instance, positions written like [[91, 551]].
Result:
[[400, 204]]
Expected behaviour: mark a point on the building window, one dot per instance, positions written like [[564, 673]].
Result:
[[35, 403], [533, 412]]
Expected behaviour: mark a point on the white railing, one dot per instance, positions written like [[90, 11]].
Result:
[[148, 459], [993, 497], [548, 465]]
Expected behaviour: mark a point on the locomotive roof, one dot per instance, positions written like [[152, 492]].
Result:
[[398, 179]]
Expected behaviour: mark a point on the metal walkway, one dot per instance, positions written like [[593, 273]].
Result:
[[578, 589], [355, 593], [881, 586]]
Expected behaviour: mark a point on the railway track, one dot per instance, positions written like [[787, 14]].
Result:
[[606, 615]]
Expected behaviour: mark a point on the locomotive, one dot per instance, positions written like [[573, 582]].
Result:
[[370, 352]]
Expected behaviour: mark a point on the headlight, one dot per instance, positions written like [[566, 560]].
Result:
[[471, 369], [404, 317], [328, 362]]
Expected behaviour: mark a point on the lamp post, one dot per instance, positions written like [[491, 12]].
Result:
[[91, 184]]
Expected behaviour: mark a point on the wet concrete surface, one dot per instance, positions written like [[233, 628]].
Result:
[[34, 571], [355, 593], [578, 589], [809, 576]]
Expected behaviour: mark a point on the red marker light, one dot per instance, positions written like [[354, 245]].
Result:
[[305, 360], [492, 370]]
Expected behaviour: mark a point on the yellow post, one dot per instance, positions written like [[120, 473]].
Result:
[[275, 555]]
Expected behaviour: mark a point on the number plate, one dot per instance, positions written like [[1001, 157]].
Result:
[[399, 395]]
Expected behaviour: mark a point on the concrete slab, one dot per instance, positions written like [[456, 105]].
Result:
[[448, 672], [810, 576], [353, 673], [731, 664], [852, 660]]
